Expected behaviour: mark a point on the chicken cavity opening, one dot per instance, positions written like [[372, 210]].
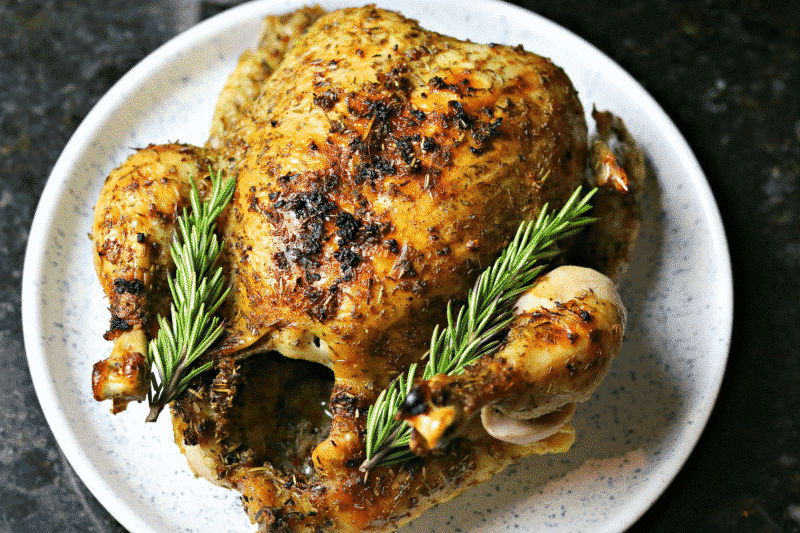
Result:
[[282, 410]]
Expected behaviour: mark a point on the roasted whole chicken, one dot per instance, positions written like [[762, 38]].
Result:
[[379, 168]]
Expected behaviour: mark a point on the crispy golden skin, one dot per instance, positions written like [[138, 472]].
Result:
[[379, 167], [256, 66]]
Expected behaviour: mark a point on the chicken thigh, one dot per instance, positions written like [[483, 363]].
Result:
[[379, 168]]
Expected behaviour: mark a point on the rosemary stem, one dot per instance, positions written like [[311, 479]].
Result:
[[155, 410]]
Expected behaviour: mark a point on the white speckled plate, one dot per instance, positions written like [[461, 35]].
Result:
[[634, 435]]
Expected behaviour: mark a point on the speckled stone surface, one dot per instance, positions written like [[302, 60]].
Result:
[[727, 73]]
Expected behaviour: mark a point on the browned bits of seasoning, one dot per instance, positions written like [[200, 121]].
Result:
[[286, 178], [310, 204], [280, 260], [347, 257], [118, 324], [438, 83], [326, 100], [395, 80], [371, 233], [463, 119], [406, 148], [348, 227], [140, 237], [417, 114], [429, 144], [312, 208], [133, 286]]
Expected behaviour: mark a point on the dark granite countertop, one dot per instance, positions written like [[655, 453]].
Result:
[[727, 73]]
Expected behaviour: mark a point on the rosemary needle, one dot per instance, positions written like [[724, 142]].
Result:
[[474, 331], [196, 295]]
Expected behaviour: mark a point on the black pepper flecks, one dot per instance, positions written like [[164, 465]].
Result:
[[348, 227], [371, 232], [438, 83], [417, 114], [373, 170], [310, 204], [404, 266], [286, 178], [463, 119], [406, 149], [483, 133], [396, 80], [347, 257], [312, 208]]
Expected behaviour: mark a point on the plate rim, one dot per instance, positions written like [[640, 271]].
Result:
[[59, 179]]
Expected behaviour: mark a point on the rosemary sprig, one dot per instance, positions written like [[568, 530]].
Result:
[[475, 330], [196, 295]]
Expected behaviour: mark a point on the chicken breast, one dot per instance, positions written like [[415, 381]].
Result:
[[368, 123]]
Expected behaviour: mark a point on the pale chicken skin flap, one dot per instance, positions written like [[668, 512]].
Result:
[[379, 168]]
